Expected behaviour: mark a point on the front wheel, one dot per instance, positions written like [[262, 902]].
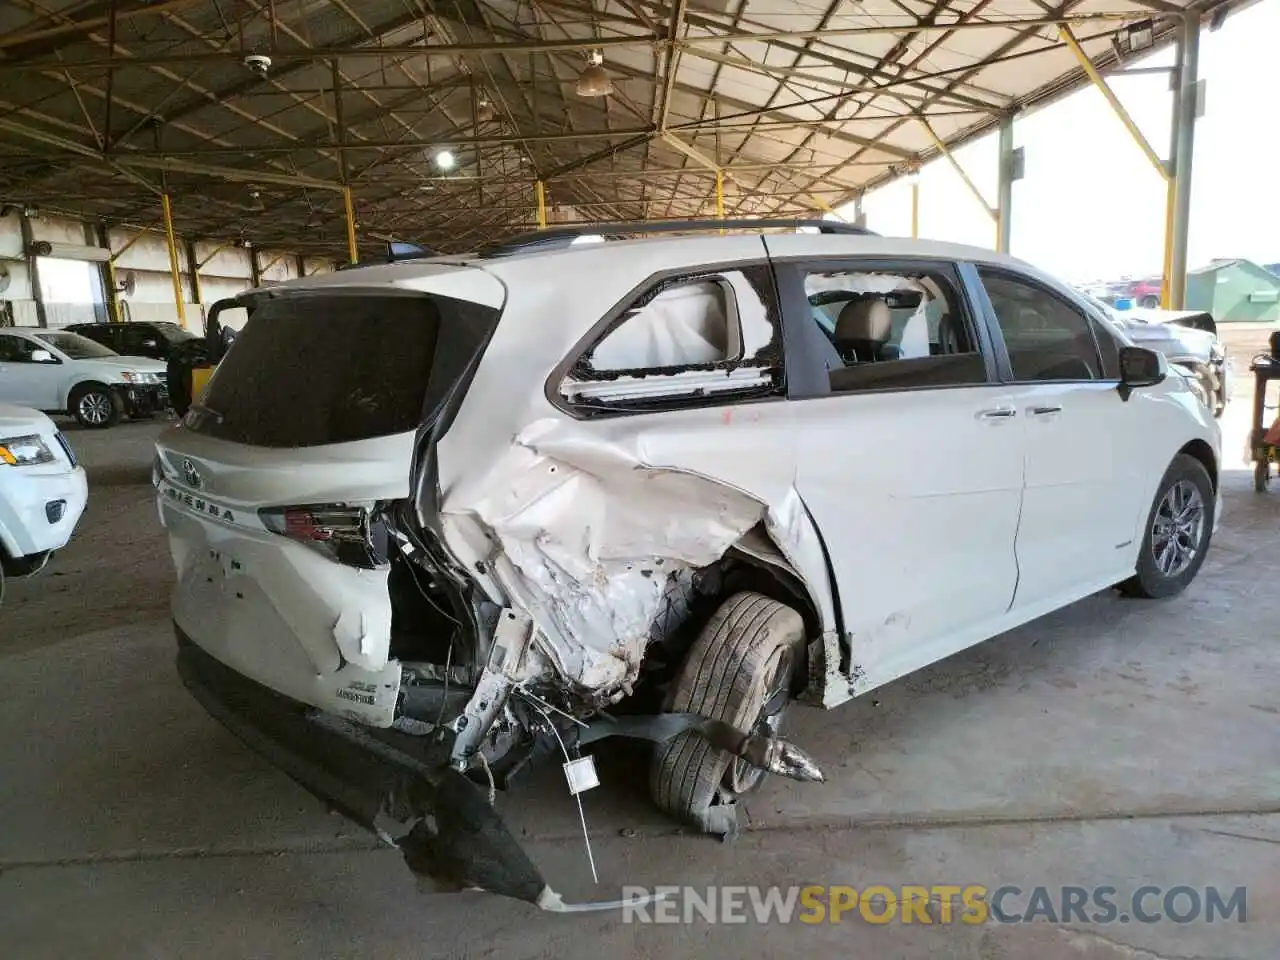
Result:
[[1176, 536], [95, 406]]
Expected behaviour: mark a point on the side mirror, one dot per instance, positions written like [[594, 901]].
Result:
[[43, 356], [1140, 367]]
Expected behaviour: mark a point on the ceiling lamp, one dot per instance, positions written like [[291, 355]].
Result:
[[593, 81], [1141, 36], [484, 111], [445, 160]]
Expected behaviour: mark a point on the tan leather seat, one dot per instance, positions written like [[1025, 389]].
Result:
[[862, 330]]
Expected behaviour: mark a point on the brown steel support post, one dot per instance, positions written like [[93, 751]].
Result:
[[111, 76], [1185, 132], [1004, 186], [255, 274], [193, 267], [353, 248], [33, 269], [914, 180]]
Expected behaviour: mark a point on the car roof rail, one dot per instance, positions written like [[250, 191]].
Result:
[[396, 252], [557, 238]]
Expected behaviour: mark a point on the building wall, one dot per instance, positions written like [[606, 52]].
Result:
[[17, 296], [227, 272]]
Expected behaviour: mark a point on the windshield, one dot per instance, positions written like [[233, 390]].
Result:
[[75, 346], [332, 368]]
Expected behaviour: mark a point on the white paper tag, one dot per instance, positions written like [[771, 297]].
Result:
[[581, 774]]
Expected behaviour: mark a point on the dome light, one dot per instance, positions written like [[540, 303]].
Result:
[[594, 81], [445, 159]]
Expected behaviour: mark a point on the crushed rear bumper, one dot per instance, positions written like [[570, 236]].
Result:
[[447, 829]]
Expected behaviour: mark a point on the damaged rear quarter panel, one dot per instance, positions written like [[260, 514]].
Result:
[[585, 520]]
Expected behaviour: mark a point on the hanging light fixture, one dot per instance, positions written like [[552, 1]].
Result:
[[594, 81], [484, 111], [445, 159]]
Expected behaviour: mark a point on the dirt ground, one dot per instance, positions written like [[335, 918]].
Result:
[[1113, 743]]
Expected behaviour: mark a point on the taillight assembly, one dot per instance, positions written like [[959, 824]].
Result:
[[347, 534]]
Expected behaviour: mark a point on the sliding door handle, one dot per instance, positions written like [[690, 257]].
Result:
[[1043, 411]]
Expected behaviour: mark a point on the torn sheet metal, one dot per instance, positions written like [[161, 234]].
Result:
[[685, 383], [590, 536]]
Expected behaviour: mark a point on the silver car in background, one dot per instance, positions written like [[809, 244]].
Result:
[[1187, 338]]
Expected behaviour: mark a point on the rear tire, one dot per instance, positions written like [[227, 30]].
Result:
[[95, 405], [1176, 536], [751, 648]]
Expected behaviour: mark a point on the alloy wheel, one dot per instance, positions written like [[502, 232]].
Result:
[[95, 408], [1178, 528]]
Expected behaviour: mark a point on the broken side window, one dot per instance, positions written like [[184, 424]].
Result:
[[686, 339]]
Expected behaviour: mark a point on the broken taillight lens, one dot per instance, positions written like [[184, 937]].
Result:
[[347, 534]]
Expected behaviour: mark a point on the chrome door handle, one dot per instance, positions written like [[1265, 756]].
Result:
[[1043, 411], [997, 413]]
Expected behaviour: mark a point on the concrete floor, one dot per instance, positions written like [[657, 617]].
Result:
[[1113, 743]]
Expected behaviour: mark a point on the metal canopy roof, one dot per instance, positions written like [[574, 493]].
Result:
[[105, 103]]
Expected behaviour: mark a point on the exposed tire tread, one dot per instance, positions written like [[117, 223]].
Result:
[[720, 678]]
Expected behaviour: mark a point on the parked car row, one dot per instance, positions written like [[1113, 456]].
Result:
[[731, 473], [76, 371], [42, 491], [59, 371]]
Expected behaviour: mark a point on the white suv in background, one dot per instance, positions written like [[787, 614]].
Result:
[[430, 513], [42, 490], [62, 372]]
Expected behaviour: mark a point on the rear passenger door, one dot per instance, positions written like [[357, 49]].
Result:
[[909, 453], [686, 373], [1086, 452]]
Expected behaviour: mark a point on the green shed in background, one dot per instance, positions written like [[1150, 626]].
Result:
[[1233, 291]]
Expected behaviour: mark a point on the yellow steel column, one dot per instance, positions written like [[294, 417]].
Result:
[[915, 205], [174, 271], [541, 191], [1123, 115], [1166, 271], [353, 251], [114, 293], [720, 197]]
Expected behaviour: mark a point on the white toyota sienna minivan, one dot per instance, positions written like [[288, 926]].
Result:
[[435, 518]]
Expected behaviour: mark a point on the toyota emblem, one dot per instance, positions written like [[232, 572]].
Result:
[[191, 474]]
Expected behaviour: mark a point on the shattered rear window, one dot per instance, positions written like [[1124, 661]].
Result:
[[333, 368], [686, 338]]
